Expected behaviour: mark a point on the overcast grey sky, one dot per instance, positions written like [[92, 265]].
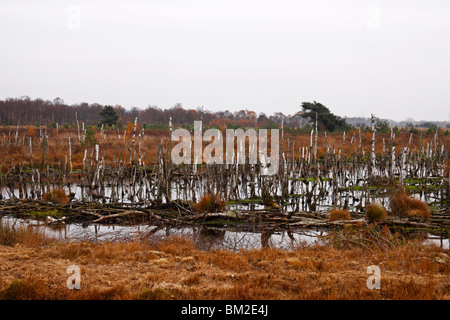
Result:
[[357, 57]]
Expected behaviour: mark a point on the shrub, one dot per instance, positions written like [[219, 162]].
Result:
[[89, 138], [210, 203], [403, 205], [57, 195], [339, 214], [376, 212]]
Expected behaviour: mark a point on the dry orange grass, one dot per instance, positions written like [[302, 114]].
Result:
[[176, 269], [403, 205], [57, 195], [21, 234], [339, 214], [419, 208], [113, 146], [375, 212], [58, 146], [210, 202]]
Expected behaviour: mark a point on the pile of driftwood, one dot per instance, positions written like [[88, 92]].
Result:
[[179, 213]]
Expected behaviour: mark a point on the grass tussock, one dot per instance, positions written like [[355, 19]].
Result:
[[209, 203], [403, 205], [376, 212], [339, 214]]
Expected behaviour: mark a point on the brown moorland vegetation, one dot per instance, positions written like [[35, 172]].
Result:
[[57, 195], [403, 205], [176, 269], [339, 214], [210, 202], [114, 146], [376, 212]]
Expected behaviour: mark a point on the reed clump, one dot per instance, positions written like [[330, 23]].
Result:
[[23, 234], [403, 205], [376, 212], [210, 203], [339, 214], [57, 195]]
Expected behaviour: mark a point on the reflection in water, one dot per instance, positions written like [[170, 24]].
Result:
[[208, 238], [265, 238]]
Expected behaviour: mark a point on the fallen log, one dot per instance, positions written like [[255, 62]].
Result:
[[118, 215], [412, 224]]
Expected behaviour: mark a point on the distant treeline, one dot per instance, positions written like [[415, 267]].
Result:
[[25, 111]]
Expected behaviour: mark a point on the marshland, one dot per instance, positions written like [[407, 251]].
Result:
[[232, 150], [84, 193]]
